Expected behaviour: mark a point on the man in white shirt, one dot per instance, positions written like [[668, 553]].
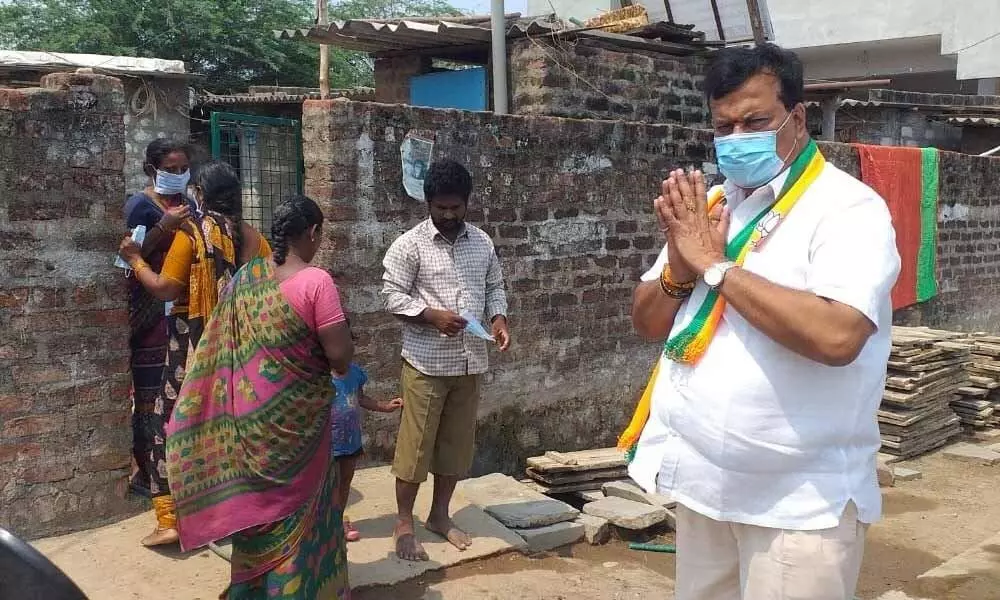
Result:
[[767, 437]]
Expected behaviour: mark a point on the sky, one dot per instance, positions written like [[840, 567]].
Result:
[[482, 7]]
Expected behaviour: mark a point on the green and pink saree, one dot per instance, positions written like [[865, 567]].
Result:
[[248, 447]]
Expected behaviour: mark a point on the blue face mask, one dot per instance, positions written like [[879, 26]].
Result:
[[169, 184], [750, 160]]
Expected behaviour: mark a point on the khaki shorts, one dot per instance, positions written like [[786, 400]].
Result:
[[437, 432]]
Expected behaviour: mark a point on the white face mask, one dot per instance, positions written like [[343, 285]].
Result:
[[169, 184]]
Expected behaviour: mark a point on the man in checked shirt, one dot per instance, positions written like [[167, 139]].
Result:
[[435, 272]]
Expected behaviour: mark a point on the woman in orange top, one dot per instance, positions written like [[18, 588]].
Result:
[[202, 259]]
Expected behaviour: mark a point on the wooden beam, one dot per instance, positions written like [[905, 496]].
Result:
[[324, 51], [627, 41]]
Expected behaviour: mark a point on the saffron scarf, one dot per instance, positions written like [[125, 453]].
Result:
[[689, 344], [248, 443]]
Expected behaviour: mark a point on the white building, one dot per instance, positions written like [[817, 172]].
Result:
[[927, 45], [930, 40]]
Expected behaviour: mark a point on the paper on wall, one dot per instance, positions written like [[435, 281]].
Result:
[[415, 153]]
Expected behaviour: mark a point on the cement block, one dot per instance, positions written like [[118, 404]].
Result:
[[514, 504], [626, 513], [630, 491], [904, 474], [972, 454], [885, 475], [595, 529], [545, 538]]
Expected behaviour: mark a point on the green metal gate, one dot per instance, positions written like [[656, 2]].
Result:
[[266, 152]]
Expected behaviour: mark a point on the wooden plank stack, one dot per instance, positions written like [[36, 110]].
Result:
[[926, 370], [560, 473], [979, 405]]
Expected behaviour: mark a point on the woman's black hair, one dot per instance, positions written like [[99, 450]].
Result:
[[160, 148], [292, 218], [732, 67], [222, 193]]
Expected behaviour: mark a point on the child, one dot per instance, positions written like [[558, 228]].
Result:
[[347, 431]]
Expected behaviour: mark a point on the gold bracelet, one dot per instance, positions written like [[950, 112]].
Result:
[[677, 293], [139, 265], [668, 280]]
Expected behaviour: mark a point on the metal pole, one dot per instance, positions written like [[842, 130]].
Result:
[[324, 51], [499, 46], [830, 106], [756, 22], [718, 20], [991, 152]]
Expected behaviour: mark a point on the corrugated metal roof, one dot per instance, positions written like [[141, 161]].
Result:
[[128, 65], [378, 36], [359, 94], [975, 121]]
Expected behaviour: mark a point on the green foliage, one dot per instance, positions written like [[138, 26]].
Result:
[[231, 42]]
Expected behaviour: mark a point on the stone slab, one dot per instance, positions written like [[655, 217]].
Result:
[[974, 573], [514, 504], [596, 530], [972, 454], [627, 514], [590, 495], [373, 511], [89, 556], [906, 474], [554, 536], [631, 491]]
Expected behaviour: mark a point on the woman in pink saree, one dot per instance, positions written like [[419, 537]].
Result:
[[248, 447]]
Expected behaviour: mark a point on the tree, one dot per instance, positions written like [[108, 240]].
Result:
[[231, 42]]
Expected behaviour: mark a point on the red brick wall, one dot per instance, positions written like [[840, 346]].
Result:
[[587, 79], [64, 410]]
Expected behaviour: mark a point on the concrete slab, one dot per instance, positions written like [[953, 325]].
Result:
[[631, 491], [554, 536], [974, 573], [109, 564], [514, 504], [905, 474], [626, 513], [373, 559], [596, 530], [972, 454]]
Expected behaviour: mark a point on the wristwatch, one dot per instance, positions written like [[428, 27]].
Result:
[[716, 274]]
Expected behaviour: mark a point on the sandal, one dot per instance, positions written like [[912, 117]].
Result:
[[350, 532]]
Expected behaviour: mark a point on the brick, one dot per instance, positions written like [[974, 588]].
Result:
[[33, 425], [613, 244]]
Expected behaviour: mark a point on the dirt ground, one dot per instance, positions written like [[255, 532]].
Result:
[[927, 521]]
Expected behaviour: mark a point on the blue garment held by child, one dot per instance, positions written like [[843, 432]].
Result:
[[346, 421]]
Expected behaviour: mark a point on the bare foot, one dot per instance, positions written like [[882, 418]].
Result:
[[446, 528], [161, 537], [407, 545]]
